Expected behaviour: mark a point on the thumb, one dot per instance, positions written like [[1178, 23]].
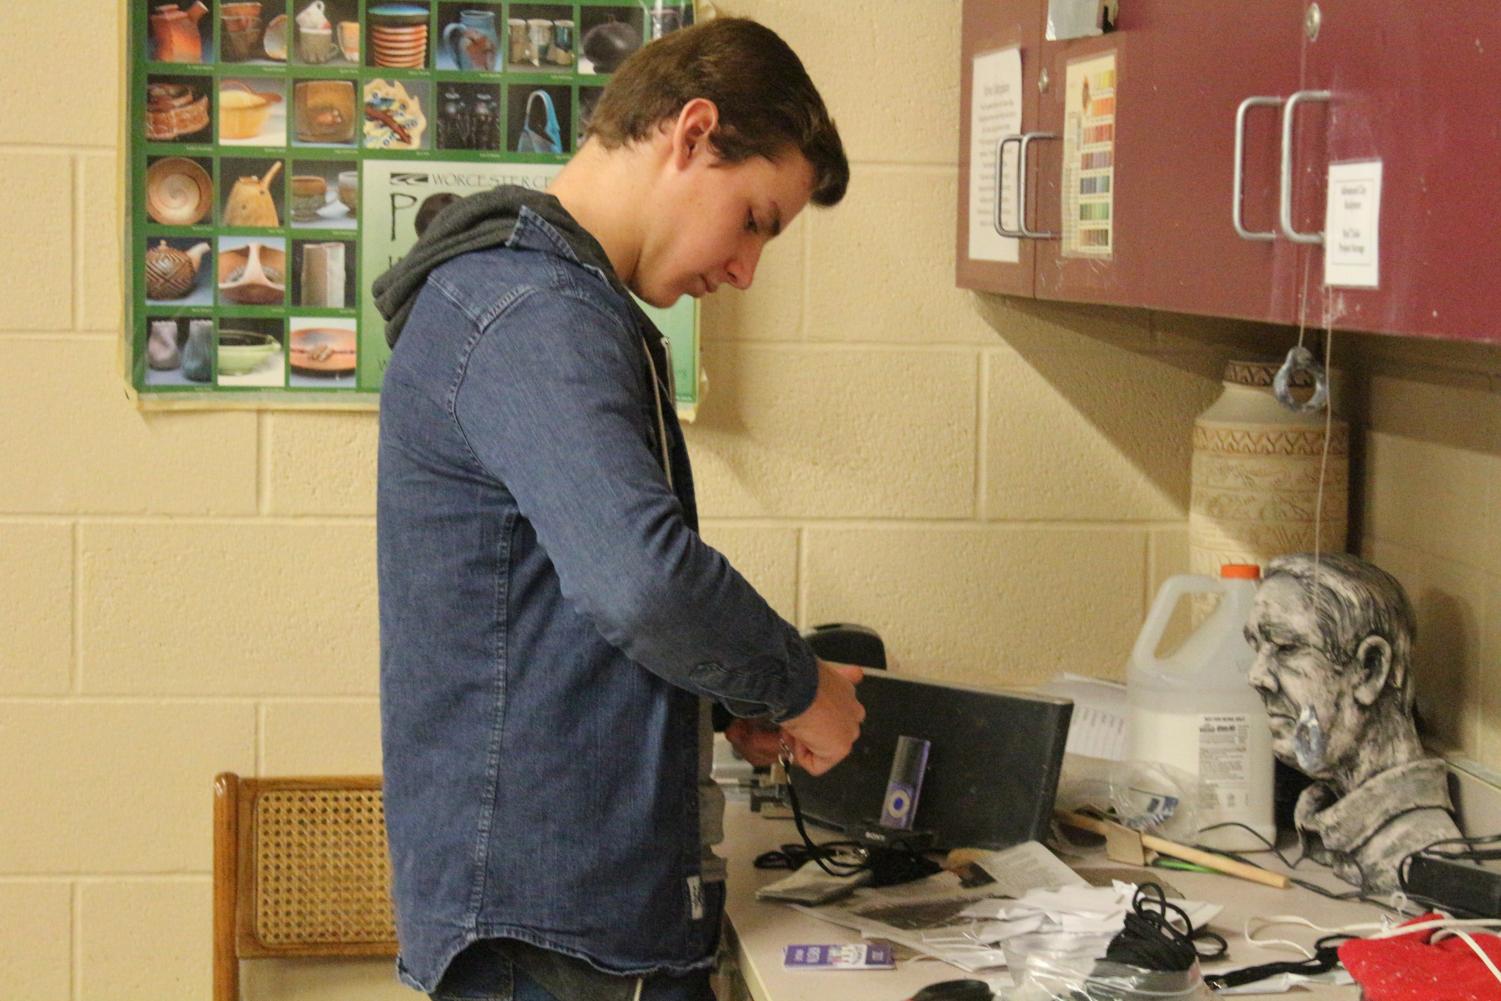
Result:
[[849, 672]]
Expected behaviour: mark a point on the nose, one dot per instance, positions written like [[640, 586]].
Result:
[[1261, 677], [741, 270]]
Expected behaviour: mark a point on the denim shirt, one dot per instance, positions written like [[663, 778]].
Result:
[[551, 622]]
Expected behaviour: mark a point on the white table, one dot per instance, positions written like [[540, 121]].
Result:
[[759, 930]]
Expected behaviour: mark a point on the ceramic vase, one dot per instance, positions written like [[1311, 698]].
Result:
[[1255, 478], [198, 356], [162, 352], [323, 275]]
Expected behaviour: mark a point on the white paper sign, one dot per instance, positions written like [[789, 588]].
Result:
[[1352, 223], [995, 111]]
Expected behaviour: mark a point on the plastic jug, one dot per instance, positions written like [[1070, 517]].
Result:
[[1196, 710]]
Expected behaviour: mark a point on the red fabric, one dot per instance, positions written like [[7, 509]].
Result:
[[1412, 968]]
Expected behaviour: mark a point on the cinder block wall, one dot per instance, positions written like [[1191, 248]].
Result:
[[997, 486]]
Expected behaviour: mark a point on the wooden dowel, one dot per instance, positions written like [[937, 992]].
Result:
[[1209, 860]]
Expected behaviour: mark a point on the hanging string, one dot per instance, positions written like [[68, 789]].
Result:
[[1318, 510]]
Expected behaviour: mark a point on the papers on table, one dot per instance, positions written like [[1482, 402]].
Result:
[[962, 918], [1098, 726], [1080, 909]]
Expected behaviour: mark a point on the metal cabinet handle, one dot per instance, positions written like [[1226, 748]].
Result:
[[1240, 166], [1022, 140], [1000, 162], [1027, 138], [1285, 200]]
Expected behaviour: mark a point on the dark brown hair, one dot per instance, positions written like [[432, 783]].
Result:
[[766, 101]]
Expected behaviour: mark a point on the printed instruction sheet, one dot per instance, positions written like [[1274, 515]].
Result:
[[995, 112]]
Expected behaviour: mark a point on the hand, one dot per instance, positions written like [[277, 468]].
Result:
[[758, 743], [827, 729]]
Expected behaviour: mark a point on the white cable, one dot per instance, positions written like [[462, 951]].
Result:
[[1273, 920], [1437, 924], [1443, 927], [1475, 947]]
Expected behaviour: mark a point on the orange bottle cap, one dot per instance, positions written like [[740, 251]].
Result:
[[1240, 571]]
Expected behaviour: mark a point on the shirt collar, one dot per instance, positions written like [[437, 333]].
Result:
[[1345, 823], [532, 232]]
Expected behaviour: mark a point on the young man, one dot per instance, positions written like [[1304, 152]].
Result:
[[553, 629]]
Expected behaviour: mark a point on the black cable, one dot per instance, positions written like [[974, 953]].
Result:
[[795, 856], [824, 854], [1325, 958], [1258, 836], [1153, 940], [1346, 896], [887, 866], [1468, 852], [1326, 949]]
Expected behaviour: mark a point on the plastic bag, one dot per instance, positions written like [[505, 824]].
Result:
[[1156, 798], [1047, 977]]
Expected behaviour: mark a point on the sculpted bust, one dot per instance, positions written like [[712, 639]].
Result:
[[1333, 642]]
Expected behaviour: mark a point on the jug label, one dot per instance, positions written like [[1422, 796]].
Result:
[[1224, 760]]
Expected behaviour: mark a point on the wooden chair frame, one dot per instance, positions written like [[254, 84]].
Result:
[[238, 886]]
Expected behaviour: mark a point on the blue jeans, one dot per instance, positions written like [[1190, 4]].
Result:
[[483, 972]]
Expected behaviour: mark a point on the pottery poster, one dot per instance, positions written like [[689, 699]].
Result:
[[283, 153]]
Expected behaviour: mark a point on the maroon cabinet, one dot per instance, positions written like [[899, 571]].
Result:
[[1182, 71], [990, 27], [1405, 85], [1412, 85]]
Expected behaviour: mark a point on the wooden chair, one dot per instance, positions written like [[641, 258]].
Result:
[[300, 869]]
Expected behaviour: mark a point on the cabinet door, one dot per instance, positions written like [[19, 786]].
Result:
[[1181, 72], [1413, 85], [990, 26]]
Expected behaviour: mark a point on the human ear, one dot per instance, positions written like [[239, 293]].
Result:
[[695, 123], [1373, 659]]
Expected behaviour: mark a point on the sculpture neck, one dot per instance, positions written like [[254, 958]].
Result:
[[1389, 740]]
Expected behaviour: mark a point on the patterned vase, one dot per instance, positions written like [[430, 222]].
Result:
[[1255, 479]]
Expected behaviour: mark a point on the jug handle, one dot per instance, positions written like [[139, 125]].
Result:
[[451, 36], [1173, 590]]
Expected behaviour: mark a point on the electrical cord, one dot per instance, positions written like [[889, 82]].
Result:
[[1470, 849], [887, 866], [1341, 895], [1153, 940], [1325, 958]]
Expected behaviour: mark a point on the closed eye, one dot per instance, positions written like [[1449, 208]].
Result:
[[750, 223]]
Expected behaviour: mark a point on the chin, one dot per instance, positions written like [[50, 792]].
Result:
[[660, 298]]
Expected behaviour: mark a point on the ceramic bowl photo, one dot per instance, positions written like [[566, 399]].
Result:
[[240, 351], [349, 190], [323, 350], [242, 111], [253, 275], [179, 192], [275, 41]]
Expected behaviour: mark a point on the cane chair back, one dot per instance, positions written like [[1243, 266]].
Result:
[[300, 869]]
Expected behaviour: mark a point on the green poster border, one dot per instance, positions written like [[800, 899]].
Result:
[[680, 323]]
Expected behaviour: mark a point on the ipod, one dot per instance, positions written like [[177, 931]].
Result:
[[908, 764]]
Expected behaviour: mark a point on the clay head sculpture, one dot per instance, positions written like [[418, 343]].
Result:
[[1333, 639]]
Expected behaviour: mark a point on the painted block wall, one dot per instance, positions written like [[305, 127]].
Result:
[[997, 486]]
